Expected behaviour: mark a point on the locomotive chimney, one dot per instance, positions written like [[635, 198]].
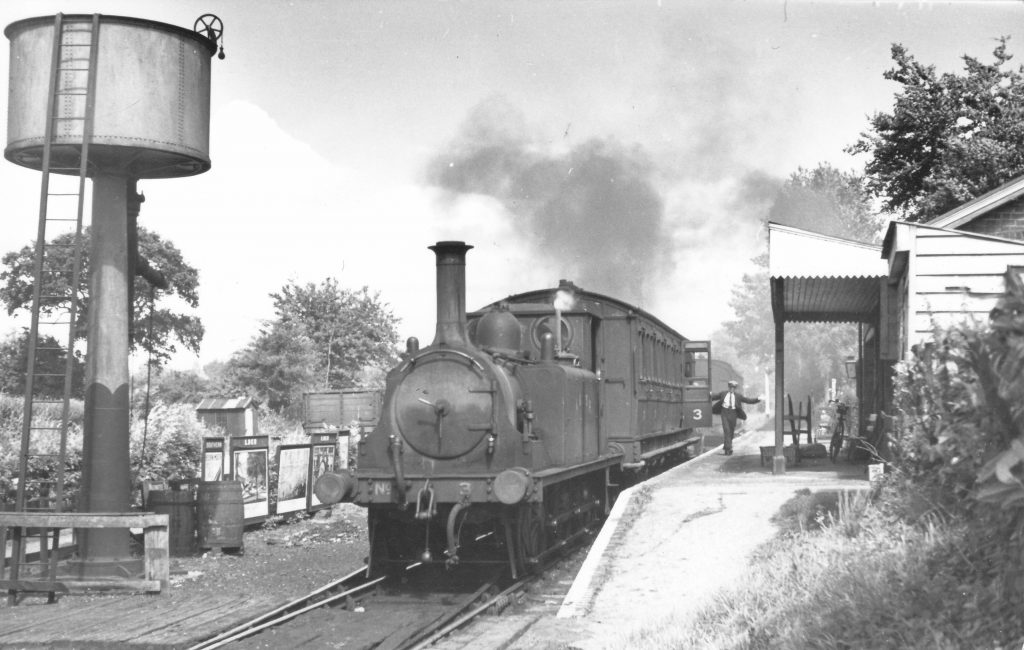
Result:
[[451, 292]]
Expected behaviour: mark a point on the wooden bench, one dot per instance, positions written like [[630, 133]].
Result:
[[156, 558]]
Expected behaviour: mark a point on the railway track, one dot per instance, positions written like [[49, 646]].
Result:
[[426, 607], [517, 612], [345, 589], [371, 613], [417, 612]]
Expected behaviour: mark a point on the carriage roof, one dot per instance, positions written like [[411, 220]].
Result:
[[599, 305]]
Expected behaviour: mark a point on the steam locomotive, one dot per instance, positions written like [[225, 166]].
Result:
[[512, 433]]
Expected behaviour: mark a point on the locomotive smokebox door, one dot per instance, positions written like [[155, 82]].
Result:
[[696, 384]]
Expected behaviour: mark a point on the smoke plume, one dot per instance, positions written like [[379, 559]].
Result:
[[593, 208]]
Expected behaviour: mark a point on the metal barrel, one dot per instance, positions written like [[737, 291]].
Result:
[[219, 514], [180, 506]]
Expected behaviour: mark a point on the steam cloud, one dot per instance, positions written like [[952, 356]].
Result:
[[593, 208]]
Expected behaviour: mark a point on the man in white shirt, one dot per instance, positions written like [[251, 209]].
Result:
[[729, 403]]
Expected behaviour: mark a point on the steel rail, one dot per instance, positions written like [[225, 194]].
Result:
[[469, 616], [427, 630], [286, 612]]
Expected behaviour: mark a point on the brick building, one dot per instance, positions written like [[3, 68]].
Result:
[[999, 213]]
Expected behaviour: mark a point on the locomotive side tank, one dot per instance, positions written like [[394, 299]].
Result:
[[501, 441]]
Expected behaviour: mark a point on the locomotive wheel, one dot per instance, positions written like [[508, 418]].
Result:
[[532, 533]]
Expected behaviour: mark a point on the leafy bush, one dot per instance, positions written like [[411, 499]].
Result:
[[959, 460], [44, 468], [959, 447], [170, 446]]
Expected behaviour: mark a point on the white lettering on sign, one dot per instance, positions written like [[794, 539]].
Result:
[[383, 489]]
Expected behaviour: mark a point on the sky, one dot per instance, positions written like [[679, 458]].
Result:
[[631, 147]]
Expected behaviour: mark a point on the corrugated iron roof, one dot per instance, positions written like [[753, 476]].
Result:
[[226, 403], [818, 278], [826, 300]]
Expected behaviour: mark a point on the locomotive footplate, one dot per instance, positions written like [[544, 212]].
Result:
[[514, 516], [503, 487]]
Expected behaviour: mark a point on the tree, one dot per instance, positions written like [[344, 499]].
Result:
[[825, 200], [14, 362], [949, 139], [350, 330], [169, 387], [323, 337], [159, 336], [276, 367]]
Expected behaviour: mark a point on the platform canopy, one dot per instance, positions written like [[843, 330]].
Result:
[[818, 278]]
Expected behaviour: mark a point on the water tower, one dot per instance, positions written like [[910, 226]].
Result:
[[114, 99]]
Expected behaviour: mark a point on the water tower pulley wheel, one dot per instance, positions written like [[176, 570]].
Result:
[[212, 27]]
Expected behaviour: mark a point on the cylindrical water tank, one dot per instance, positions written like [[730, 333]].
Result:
[[152, 97]]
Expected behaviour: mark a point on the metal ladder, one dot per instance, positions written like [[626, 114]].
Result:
[[70, 108]]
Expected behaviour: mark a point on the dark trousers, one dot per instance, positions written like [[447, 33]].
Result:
[[728, 427]]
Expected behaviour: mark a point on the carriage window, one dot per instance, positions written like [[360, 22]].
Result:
[[645, 356], [660, 372], [649, 344], [657, 359], [697, 365]]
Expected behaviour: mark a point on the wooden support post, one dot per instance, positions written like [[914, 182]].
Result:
[[157, 559], [779, 460]]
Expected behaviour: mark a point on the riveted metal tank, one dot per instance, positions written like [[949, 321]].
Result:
[[152, 100]]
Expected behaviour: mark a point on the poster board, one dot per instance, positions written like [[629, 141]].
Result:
[[251, 467], [216, 465], [323, 459], [293, 478]]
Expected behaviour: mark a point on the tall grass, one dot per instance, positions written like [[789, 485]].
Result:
[[856, 574]]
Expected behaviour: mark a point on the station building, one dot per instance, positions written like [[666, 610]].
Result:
[[942, 272]]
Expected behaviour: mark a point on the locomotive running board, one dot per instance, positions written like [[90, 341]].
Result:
[[578, 470], [692, 440]]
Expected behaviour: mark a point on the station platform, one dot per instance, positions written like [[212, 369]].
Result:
[[673, 541]]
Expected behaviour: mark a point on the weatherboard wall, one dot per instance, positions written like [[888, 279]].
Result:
[[949, 277]]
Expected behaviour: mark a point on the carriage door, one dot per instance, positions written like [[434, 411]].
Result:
[[696, 384]]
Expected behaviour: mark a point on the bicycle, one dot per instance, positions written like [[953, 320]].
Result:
[[839, 430]]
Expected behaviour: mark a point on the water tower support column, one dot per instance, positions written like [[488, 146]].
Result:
[[106, 481]]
